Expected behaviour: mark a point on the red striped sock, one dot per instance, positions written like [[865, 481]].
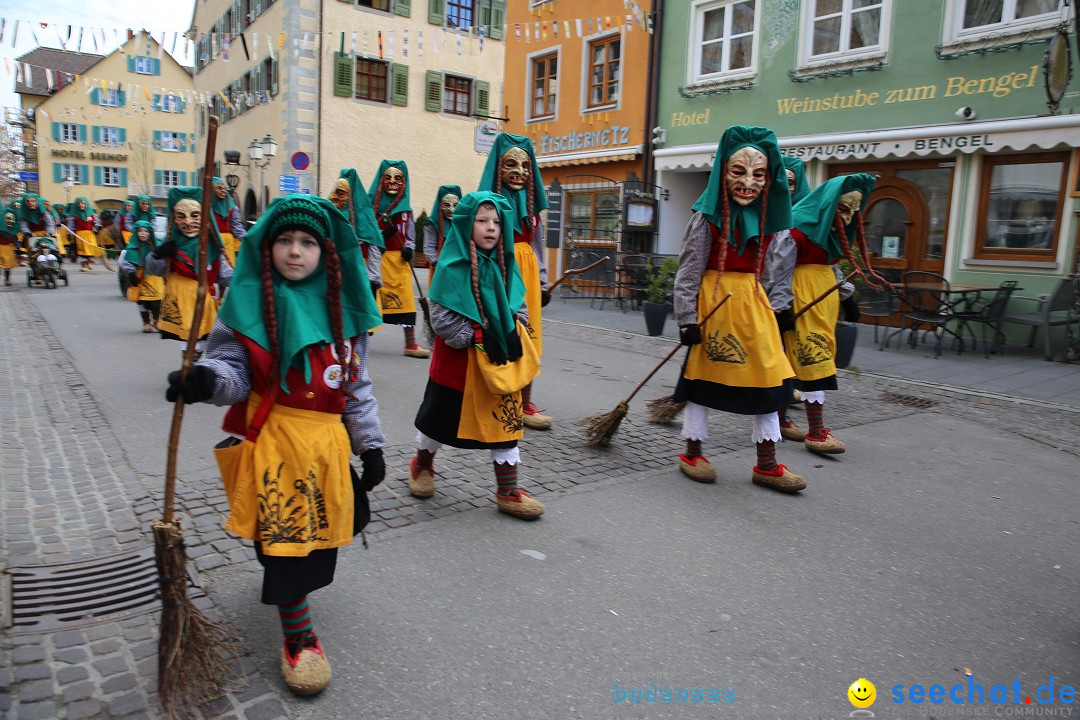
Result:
[[813, 416], [410, 336], [526, 394], [693, 448], [766, 455], [425, 459], [295, 617], [506, 476]]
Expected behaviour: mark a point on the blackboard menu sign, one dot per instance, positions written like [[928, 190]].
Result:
[[554, 216]]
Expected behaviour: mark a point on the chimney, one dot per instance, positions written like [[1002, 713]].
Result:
[[131, 33]]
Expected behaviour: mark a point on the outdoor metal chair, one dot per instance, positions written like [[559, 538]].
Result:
[[633, 279], [1053, 312], [878, 304], [924, 301], [989, 315]]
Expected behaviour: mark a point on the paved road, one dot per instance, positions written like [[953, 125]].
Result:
[[944, 541]]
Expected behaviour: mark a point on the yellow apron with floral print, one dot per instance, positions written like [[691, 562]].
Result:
[[396, 293], [740, 344], [150, 287], [87, 244], [530, 274], [230, 245], [291, 489], [178, 306], [486, 416], [811, 346]]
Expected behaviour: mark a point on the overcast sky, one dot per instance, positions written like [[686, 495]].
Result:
[[155, 15]]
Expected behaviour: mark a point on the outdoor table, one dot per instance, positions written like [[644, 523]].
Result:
[[958, 298]]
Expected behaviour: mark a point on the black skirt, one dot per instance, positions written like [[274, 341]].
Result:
[[439, 415], [733, 399], [399, 318], [825, 383]]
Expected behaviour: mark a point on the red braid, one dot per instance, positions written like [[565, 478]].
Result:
[[860, 237], [759, 257], [845, 247], [333, 310], [269, 316], [725, 228]]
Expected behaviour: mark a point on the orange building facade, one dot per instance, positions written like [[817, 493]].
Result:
[[577, 87]]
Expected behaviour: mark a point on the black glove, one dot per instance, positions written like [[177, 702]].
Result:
[[494, 352], [406, 253], [198, 387], [545, 298], [165, 249], [375, 287], [785, 320], [513, 346], [374, 469], [690, 334], [851, 309], [133, 279], [389, 231]]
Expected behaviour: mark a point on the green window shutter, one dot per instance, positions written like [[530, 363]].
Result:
[[57, 173], [157, 66], [274, 79], [157, 139], [351, 2], [56, 131], [97, 174], [403, 7], [483, 15], [481, 101], [256, 9], [497, 31], [159, 177], [191, 145], [96, 133], [121, 98], [156, 102], [123, 135], [81, 133], [183, 178], [84, 174], [433, 91], [343, 75], [95, 96], [131, 63], [436, 12], [123, 177], [399, 85]]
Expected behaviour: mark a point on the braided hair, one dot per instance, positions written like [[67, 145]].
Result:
[[474, 275], [845, 246]]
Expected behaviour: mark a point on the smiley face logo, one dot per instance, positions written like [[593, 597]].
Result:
[[862, 693]]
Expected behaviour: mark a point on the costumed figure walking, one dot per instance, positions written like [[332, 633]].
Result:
[[511, 171], [9, 240], [227, 218], [122, 222], [800, 266], [64, 238], [389, 194], [798, 186], [482, 354], [438, 225], [143, 209], [146, 290], [736, 362], [84, 223], [33, 220], [174, 259], [350, 198], [289, 354]]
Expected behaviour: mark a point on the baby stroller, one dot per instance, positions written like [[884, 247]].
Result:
[[45, 268]]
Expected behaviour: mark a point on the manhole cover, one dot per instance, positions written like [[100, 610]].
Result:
[[61, 596], [909, 400]]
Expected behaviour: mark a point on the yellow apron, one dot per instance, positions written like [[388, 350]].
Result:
[[396, 293], [126, 234], [178, 305], [150, 287], [811, 346], [63, 238], [485, 416], [7, 257], [740, 344], [530, 274], [87, 244], [231, 246], [291, 489]]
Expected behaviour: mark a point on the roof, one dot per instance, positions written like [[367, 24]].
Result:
[[65, 61]]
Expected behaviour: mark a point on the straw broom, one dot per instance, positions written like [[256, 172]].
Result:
[[663, 410], [195, 654], [577, 271], [601, 428]]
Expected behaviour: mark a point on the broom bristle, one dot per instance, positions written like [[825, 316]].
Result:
[[662, 411], [599, 429], [197, 657]]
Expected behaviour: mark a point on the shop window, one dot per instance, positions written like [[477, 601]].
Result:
[[594, 215], [724, 38], [605, 55], [1021, 198], [981, 15], [545, 86], [845, 27]]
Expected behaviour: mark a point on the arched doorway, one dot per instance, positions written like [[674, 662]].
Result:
[[896, 221], [251, 205]]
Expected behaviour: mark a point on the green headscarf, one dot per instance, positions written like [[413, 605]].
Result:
[[136, 252], [518, 199], [401, 201], [31, 216], [360, 213], [815, 213], [452, 287], [60, 210], [8, 231], [138, 214], [81, 214], [190, 246], [802, 187], [299, 306], [745, 221], [221, 206], [436, 213]]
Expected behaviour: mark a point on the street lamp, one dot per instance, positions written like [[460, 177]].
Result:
[[67, 183], [260, 154]]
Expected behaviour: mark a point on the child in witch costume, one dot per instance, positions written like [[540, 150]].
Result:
[[389, 194], [146, 290], [227, 218], [289, 354], [143, 209], [350, 198], [122, 222], [174, 259], [84, 223], [9, 239], [736, 362], [33, 220], [480, 318], [511, 171], [798, 187], [446, 199], [802, 265]]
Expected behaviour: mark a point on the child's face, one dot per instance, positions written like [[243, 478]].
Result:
[[143, 234], [296, 254], [487, 232]]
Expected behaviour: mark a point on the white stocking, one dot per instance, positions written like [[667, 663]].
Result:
[[423, 442], [814, 396], [506, 456], [766, 427], [695, 424]]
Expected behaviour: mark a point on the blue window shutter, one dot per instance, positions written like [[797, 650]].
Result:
[[157, 66], [156, 104], [56, 131], [95, 96], [96, 133], [183, 178], [57, 173], [123, 135], [158, 177], [191, 142], [131, 63], [81, 130], [84, 174], [121, 98], [157, 139], [97, 174], [123, 177]]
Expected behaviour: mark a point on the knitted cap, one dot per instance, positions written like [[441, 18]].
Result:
[[300, 213]]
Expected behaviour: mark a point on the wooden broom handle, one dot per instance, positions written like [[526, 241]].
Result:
[[825, 294], [578, 271]]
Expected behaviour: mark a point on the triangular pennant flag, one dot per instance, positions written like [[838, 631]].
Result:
[[420, 43], [161, 48], [50, 81], [404, 43], [18, 72], [352, 44], [578, 21], [366, 43], [15, 32], [29, 74], [390, 44], [33, 34], [380, 45], [528, 34], [435, 39], [93, 38], [566, 28]]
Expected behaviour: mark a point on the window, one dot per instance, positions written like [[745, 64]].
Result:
[[371, 79], [170, 104], [144, 65], [845, 26], [545, 85], [1021, 198], [170, 178], [457, 95], [109, 98], [73, 171], [604, 56], [110, 176], [168, 140], [594, 215], [459, 13], [980, 14], [69, 132], [383, 5], [724, 38], [110, 136]]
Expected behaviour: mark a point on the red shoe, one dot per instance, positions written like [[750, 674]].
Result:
[[520, 504], [421, 480], [780, 479], [304, 665], [696, 467]]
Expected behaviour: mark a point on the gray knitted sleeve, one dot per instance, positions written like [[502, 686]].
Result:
[[361, 415], [693, 257], [779, 268], [847, 289], [228, 358], [155, 265], [455, 330]]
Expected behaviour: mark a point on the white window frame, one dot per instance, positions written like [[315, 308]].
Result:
[[954, 22], [73, 171], [169, 104], [170, 141], [586, 70], [106, 171], [69, 132], [806, 43], [144, 65], [170, 178], [697, 32], [110, 97], [557, 49], [114, 132]]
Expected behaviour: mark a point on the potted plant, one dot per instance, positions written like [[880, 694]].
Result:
[[655, 307]]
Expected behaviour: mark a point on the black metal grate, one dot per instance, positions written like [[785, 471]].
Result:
[[909, 400], [61, 596]]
